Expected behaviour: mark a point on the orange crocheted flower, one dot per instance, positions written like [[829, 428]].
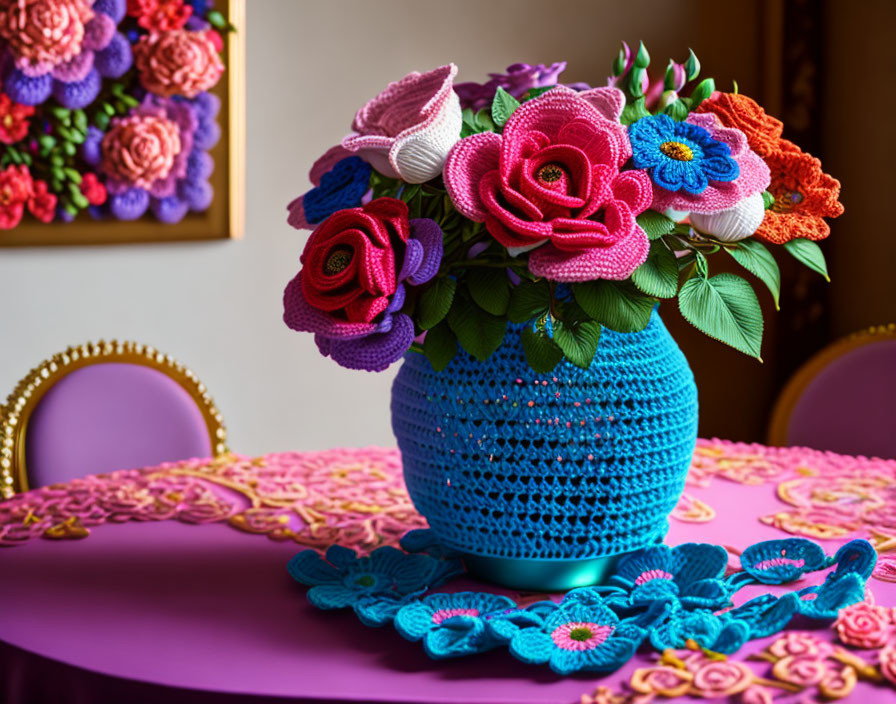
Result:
[[735, 110], [804, 196]]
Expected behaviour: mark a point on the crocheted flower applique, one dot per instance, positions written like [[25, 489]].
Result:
[[452, 625], [780, 561], [582, 633], [711, 631], [351, 288], [340, 181], [680, 155], [689, 574], [375, 586]]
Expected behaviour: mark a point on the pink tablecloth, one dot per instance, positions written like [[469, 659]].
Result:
[[164, 599]]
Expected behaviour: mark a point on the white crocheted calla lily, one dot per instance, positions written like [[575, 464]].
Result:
[[407, 130]]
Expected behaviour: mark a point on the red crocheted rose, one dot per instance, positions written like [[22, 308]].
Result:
[[92, 189], [13, 119], [349, 260], [42, 203], [177, 63], [140, 149], [44, 33], [553, 178], [18, 191], [160, 15]]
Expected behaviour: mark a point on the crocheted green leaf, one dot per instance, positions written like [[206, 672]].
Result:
[[808, 253], [503, 106], [633, 112], [655, 224], [725, 308], [754, 256], [677, 110], [435, 302], [478, 332], [440, 346], [658, 276], [576, 335], [542, 353], [768, 200], [533, 93], [703, 90], [692, 66], [490, 288], [615, 306], [529, 300]]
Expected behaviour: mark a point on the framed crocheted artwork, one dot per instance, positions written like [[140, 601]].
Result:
[[121, 121]]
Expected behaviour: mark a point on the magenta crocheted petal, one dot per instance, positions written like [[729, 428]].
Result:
[[299, 315], [634, 188], [33, 70], [98, 32], [296, 217], [325, 163], [74, 70], [468, 162], [374, 353], [164, 187], [616, 262], [608, 101]]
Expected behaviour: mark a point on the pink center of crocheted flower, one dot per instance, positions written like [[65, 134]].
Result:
[[779, 562], [444, 614], [652, 574], [580, 635], [677, 150]]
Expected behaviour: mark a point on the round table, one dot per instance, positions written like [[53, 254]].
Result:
[[167, 611]]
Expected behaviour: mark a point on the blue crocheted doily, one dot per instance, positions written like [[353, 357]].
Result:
[[661, 595]]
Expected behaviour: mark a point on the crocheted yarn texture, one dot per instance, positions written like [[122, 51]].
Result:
[[575, 464]]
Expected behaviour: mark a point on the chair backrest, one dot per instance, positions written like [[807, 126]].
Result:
[[843, 399], [101, 407]]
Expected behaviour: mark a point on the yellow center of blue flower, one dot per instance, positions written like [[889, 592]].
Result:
[[580, 634], [677, 151], [338, 260]]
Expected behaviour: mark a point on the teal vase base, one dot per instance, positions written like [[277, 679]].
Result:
[[548, 575]]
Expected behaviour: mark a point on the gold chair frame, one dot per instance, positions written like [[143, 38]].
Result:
[[793, 390], [16, 413]]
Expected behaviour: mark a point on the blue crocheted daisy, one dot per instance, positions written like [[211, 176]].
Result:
[[690, 574], [452, 625], [580, 634], [375, 586], [680, 155], [341, 187], [780, 561]]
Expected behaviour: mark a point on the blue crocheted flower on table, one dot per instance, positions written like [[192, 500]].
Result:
[[341, 187], [780, 561], [709, 630], [581, 633], [452, 625], [690, 574], [425, 540], [680, 155], [376, 586]]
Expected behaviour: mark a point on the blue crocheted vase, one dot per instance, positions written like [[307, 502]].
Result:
[[543, 480]]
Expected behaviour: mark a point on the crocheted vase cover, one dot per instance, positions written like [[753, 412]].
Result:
[[574, 464]]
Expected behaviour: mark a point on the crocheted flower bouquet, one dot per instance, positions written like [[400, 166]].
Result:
[[511, 241], [104, 107], [451, 211]]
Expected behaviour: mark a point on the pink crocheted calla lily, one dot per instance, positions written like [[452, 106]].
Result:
[[407, 130], [551, 182], [754, 174]]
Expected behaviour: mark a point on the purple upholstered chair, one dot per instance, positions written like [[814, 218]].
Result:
[[843, 399], [101, 407]]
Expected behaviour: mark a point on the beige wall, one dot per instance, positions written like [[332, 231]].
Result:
[[310, 65]]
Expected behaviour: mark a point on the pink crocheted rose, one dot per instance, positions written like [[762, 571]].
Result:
[[754, 175], [716, 679], [407, 130], [888, 663], [44, 33], [551, 182], [179, 62], [864, 625], [140, 150]]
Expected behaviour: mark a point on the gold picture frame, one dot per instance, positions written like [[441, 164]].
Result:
[[225, 218], [16, 413]]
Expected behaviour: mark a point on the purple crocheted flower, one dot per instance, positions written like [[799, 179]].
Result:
[[518, 79], [102, 52], [185, 186], [352, 287]]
